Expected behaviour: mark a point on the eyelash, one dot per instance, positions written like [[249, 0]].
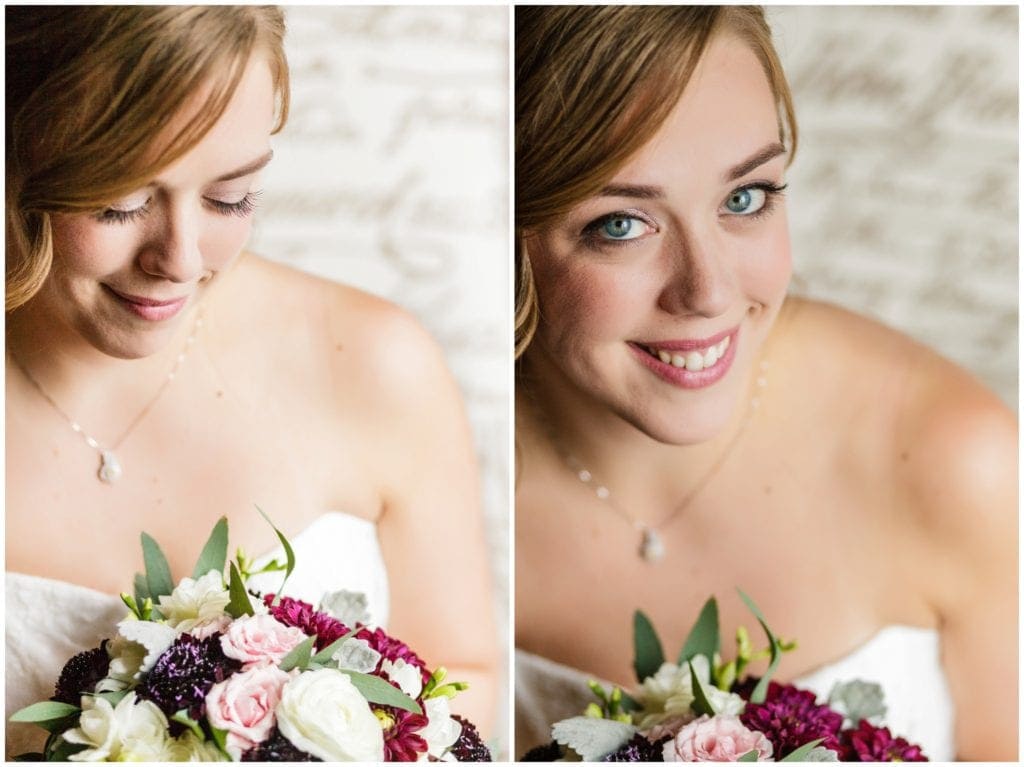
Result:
[[242, 208], [590, 235]]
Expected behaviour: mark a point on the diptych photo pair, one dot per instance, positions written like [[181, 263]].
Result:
[[511, 383]]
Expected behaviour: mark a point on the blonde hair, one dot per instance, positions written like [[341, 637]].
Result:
[[593, 85], [90, 89]]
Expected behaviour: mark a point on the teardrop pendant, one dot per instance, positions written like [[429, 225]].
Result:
[[651, 547], [110, 468]]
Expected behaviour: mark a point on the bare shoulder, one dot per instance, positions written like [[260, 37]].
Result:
[[942, 444], [365, 343]]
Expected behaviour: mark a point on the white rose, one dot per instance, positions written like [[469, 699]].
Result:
[[195, 602], [441, 731], [405, 675], [133, 731], [322, 713], [349, 607], [668, 694]]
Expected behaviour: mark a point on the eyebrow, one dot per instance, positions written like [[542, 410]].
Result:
[[647, 192], [756, 160], [258, 164]]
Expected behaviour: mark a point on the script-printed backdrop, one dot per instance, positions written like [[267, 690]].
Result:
[[392, 175], [903, 196]]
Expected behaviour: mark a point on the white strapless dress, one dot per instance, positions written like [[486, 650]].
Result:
[[903, 659], [49, 621]]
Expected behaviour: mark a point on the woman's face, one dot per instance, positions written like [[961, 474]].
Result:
[[122, 278], [656, 295]]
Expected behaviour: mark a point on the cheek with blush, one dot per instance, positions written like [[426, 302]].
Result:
[[223, 240], [85, 247]]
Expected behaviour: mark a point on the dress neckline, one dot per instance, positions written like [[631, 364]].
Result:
[[878, 637], [327, 517]]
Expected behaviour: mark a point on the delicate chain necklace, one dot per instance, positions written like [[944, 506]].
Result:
[[652, 547], [110, 467]]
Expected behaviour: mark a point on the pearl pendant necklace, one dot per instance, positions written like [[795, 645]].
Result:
[[652, 546], [110, 469]]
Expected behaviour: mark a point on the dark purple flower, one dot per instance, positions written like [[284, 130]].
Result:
[[639, 749], [81, 675], [402, 741], [868, 743], [791, 717], [552, 752], [277, 748], [470, 746], [294, 612], [184, 674]]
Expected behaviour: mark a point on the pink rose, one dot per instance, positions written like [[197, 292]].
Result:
[[260, 639], [244, 705], [722, 738]]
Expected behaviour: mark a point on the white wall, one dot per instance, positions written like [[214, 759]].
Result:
[[392, 175], [903, 197]]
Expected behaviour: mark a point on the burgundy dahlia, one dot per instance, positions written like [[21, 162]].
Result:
[[277, 748], [470, 746], [791, 717], [294, 612], [639, 749], [81, 674], [868, 743], [402, 741], [552, 752], [184, 674]]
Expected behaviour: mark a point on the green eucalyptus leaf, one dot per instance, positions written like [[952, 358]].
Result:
[[59, 750], [215, 553], [182, 717], [629, 703], [240, 604], [113, 697], [376, 690], [289, 554], [158, 572], [704, 638], [31, 756], [220, 737], [750, 756], [300, 656], [701, 704], [761, 690], [647, 653], [141, 589], [799, 754], [46, 711]]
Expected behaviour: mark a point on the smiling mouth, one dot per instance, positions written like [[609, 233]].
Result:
[[693, 360]]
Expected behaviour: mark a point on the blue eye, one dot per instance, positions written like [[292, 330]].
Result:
[[746, 201], [622, 228]]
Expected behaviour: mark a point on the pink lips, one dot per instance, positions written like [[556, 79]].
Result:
[[681, 377], [151, 309]]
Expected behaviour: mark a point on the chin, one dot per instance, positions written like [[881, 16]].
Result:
[[129, 344]]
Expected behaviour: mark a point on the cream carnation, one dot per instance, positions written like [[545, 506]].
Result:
[[323, 714], [260, 639], [133, 731], [716, 739], [195, 602]]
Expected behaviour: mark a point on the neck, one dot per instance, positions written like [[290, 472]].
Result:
[[638, 470], [101, 392]]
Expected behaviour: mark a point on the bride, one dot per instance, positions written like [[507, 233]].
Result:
[[159, 376], [685, 427]]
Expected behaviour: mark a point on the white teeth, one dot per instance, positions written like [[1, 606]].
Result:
[[694, 361]]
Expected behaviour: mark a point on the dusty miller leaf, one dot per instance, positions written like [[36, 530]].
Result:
[[858, 700], [592, 738]]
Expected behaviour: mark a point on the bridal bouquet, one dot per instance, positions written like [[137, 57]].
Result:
[[701, 709], [207, 671]]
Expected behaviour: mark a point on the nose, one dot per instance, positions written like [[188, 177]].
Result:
[[172, 252], [701, 280]]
